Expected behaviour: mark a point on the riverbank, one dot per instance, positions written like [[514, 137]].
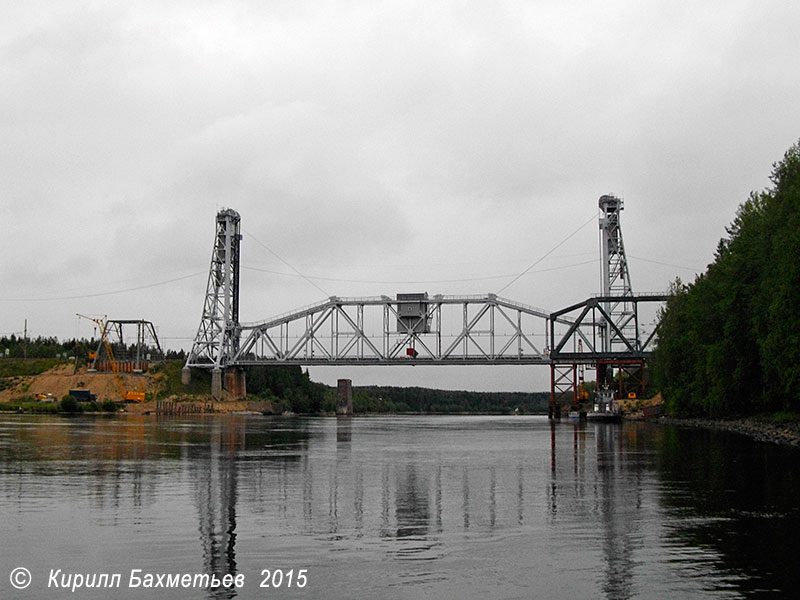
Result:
[[763, 428], [774, 428]]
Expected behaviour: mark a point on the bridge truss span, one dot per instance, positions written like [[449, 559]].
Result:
[[591, 320], [410, 329]]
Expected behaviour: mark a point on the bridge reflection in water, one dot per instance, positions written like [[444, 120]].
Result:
[[215, 475], [417, 501], [452, 506]]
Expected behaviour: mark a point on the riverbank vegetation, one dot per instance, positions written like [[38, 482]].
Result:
[[385, 399], [292, 389], [49, 347], [729, 342], [11, 368], [67, 405]]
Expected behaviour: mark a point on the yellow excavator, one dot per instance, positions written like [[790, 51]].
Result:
[[127, 396]]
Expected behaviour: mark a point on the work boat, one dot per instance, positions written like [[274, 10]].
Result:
[[604, 409]]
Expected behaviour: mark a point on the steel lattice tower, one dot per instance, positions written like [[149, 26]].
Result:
[[217, 338], [615, 277]]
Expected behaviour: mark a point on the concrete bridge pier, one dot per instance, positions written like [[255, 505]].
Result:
[[235, 383], [216, 383], [344, 397], [228, 384]]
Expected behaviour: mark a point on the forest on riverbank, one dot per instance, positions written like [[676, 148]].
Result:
[[729, 342]]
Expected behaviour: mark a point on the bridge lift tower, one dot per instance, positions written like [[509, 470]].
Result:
[[615, 277], [616, 282], [614, 321], [217, 338]]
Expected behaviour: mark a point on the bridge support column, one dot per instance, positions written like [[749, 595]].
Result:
[[186, 376], [563, 388], [344, 397], [235, 383], [216, 383]]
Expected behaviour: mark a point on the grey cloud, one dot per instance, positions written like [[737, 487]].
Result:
[[426, 141]]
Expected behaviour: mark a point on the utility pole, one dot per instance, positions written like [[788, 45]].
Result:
[[25, 341]]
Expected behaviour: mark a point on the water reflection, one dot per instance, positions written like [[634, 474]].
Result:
[[618, 527], [632, 510], [411, 504], [344, 432], [738, 501], [604, 498], [215, 478], [385, 494]]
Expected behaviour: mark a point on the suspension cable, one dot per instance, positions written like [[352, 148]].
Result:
[[264, 246], [553, 249]]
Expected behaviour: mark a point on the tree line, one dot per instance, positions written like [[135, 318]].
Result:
[[387, 399], [44, 347], [729, 342], [292, 388], [14, 346]]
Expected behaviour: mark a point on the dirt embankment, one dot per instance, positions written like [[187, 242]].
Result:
[[638, 408], [59, 380]]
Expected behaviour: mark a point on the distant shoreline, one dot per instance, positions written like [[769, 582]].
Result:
[[760, 428]]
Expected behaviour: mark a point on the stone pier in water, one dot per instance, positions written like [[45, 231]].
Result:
[[344, 397]]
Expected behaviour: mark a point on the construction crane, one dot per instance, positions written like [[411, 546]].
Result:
[[127, 396]]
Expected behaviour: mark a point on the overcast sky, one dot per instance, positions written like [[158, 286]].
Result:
[[380, 147]]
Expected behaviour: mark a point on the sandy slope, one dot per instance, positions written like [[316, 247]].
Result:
[[59, 380]]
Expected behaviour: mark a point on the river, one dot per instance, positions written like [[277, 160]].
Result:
[[394, 507]]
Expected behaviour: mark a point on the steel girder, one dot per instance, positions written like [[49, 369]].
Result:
[[563, 385], [589, 327], [461, 330]]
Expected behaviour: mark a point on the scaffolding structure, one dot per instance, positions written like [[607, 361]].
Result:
[[132, 352]]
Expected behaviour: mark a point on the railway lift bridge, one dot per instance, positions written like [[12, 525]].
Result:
[[603, 332]]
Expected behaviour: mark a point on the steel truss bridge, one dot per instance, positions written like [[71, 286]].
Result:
[[490, 330], [418, 329]]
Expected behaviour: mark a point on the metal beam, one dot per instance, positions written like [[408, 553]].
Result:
[[628, 339]]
